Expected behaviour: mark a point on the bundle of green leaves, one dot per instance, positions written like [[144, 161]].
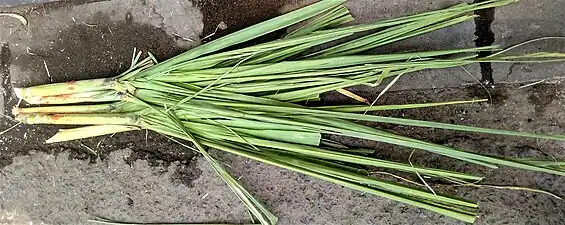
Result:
[[246, 101]]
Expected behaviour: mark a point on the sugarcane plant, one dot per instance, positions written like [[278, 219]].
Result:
[[247, 101]]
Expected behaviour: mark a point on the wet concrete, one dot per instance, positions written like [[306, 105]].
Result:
[[43, 188]]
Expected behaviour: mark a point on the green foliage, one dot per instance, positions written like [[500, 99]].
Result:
[[242, 101]]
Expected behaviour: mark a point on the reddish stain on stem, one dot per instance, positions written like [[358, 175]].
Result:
[[48, 99], [71, 85], [56, 117], [62, 96]]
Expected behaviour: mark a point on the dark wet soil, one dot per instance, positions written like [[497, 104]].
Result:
[[541, 96], [105, 50], [238, 14], [497, 96]]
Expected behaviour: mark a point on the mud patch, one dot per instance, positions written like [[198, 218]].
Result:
[[160, 151], [497, 95], [186, 173], [87, 51], [543, 95]]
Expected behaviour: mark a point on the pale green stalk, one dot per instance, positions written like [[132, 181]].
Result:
[[366, 108], [92, 96], [116, 107], [80, 119], [65, 88]]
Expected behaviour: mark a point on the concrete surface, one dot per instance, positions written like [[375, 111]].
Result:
[[72, 191], [526, 21], [143, 177], [13, 3]]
